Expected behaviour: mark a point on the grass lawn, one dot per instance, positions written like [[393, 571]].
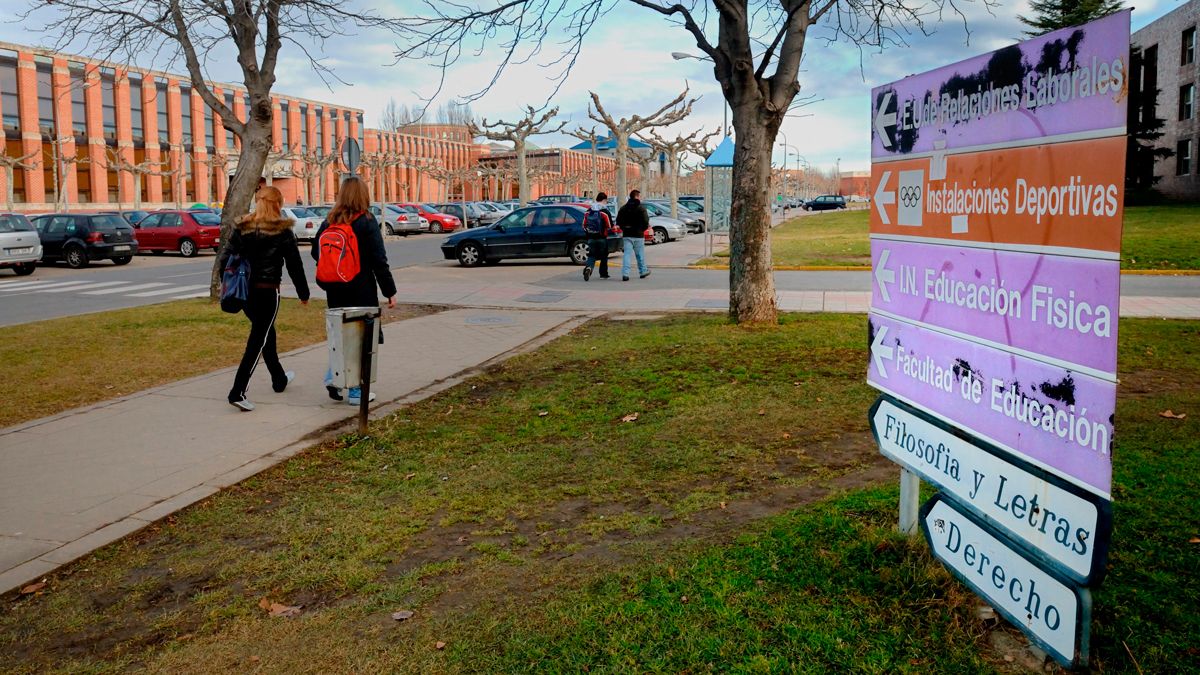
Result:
[[1155, 238], [742, 523], [75, 361]]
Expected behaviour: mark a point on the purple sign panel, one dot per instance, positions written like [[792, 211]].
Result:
[[1072, 82], [1055, 417], [1064, 309]]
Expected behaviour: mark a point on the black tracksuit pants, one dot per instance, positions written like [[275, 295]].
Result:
[[262, 306]]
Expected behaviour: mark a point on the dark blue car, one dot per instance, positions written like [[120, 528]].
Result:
[[532, 232]]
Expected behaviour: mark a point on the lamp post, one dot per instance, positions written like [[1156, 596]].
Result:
[[679, 56], [838, 171]]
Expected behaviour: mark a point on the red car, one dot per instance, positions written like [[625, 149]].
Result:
[[183, 231], [438, 221]]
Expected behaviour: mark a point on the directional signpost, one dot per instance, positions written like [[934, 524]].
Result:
[[995, 243]]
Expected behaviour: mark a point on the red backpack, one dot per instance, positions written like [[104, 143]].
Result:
[[338, 261]]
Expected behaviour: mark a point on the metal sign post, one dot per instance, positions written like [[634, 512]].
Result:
[[368, 348], [351, 155], [995, 248]]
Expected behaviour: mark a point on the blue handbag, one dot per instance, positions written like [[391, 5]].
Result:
[[235, 284]]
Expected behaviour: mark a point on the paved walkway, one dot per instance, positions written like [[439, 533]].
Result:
[[72, 483]]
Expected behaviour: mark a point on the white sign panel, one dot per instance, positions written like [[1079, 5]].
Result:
[[1067, 527], [1048, 609]]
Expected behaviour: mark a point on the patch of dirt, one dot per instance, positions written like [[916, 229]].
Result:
[[1154, 382]]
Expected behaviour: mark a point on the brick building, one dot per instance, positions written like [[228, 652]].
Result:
[[1169, 63], [552, 171]]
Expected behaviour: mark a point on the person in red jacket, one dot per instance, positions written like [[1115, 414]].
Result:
[[597, 226]]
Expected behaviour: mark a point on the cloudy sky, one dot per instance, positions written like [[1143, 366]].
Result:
[[627, 61]]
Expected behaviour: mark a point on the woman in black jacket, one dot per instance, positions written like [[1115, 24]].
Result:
[[353, 206], [265, 239]]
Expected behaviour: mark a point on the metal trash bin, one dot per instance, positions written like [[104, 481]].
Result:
[[344, 332]]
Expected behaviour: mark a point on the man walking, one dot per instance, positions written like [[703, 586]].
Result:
[[633, 221], [596, 225]]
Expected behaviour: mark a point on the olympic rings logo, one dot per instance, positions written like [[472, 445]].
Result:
[[910, 196]]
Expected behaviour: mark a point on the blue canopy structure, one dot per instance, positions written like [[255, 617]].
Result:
[[723, 155]]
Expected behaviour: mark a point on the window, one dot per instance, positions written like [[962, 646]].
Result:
[[10, 104], [210, 138], [160, 101], [1187, 98], [149, 221], [284, 126], [1187, 50], [185, 116], [1183, 157], [14, 223], [108, 103], [78, 102], [320, 130], [45, 94], [136, 121], [303, 127], [228, 134]]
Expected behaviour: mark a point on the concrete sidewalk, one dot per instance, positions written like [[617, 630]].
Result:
[[72, 483]]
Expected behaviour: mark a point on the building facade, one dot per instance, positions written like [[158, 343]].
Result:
[[552, 171], [1168, 63]]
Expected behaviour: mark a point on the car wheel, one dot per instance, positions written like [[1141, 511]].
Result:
[[76, 257], [579, 251], [25, 269], [187, 248], [436, 228], [492, 261], [660, 236], [122, 260], [389, 229], [470, 255]]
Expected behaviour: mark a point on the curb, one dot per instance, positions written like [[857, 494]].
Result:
[[849, 268]]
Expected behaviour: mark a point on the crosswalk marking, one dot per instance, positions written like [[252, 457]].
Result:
[[85, 285], [123, 289], [173, 289], [23, 284], [44, 285]]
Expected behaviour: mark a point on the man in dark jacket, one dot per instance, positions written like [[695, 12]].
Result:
[[633, 221], [269, 245], [361, 290]]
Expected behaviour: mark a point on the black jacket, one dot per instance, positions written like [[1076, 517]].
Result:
[[360, 291], [633, 219], [269, 246]]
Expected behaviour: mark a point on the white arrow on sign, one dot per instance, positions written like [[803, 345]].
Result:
[[883, 199], [883, 275], [881, 351], [885, 120]]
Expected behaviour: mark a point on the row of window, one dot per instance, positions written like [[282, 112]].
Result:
[[47, 117]]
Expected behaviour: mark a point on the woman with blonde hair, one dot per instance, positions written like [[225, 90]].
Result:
[[264, 238], [350, 220]]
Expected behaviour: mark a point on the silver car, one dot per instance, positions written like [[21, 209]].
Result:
[[395, 219], [665, 227], [693, 220], [305, 223], [20, 247]]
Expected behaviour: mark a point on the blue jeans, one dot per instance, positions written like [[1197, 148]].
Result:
[[633, 246]]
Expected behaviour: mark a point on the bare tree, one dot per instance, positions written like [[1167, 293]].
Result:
[[755, 47], [61, 162], [589, 136], [644, 162], [621, 130], [395, 116], [272, 161], [121, 165], [215, 164], [675, 149], [11, 163], [191, 31], [519, 133], [174, 174]]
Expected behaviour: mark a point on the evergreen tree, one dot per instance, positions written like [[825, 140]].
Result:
[[1049, 15], [1144, 127]]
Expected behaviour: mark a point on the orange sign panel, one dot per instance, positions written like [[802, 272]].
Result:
[[1063, 195]]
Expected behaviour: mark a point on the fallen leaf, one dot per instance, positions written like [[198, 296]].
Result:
[[762, 412], [402, 614], [723, 504], [786, 435], [1193, 540], [631, 417], [449, 411], [410, 476], [543, 413], [33, 588], [1172, 415], [277, 609], [439, 645], [683, 599], [254, 659]]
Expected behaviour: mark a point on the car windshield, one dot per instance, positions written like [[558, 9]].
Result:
[[409, 209], [430, 208], [135, 216], [320, 210], [15, 223], [207, 218], [301, 212], [107, 223], [653, 209]]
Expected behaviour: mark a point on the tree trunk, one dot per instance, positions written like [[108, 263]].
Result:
[[751, 278], [595, 179], [622, 174], [522, 176], [673, 160], [8, 187], [256, 143]]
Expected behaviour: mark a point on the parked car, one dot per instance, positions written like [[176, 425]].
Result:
[[80, 238], [559, 199], [826, 203], [321, 211], [20, 248], [305, 223], [397, 220], [532, 232], [185, 231], [132, 217], [653, 235], [664, 226], [693, 220], [434, 220], [695, 205], [474, 216]]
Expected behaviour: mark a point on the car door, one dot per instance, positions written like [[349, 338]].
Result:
[[169, 230], [147, 232], [58, 229], [509, 238], [553, 229]]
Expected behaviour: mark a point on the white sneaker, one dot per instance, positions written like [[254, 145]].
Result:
[[355, 400], [244, 405]]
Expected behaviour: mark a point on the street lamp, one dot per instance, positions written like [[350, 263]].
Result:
[[679, 56], [838, 170]]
